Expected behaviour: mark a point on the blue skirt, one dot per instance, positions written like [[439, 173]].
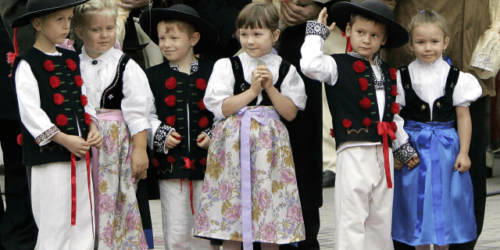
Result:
[[432, 203]]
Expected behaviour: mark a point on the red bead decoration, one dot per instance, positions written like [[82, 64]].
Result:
[[394, 126], [171, 83], [61, 120], [367, 122], [84, 100], [347, 123], [170, 100], [203, 122], [87, 118], [392, 73], [365, 103], [58, 99], [55, 82], [155, 162], [395, 108], [331, 133], [71, 64], [363, 84], [359, 66], [170, 159], [201, 105], [20, 139], [201, 84], [394, 90], [78, 81], [203, 161], [171, 120], [49, 66]]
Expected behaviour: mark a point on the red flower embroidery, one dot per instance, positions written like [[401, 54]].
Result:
[[88, 119], [170, 159], [394, 108], [84, 100], [171, 100], [331, 133], [171, 83], [203, 161], [394, 90], [359, 66], [61, 120], [201, 84], [394, 126], [363, 83], [49, 66], [155, 162], [171, 120], [201, 105], [347, 123], [392, 73], [367, 122], [55, 82], [365, 103], [71, 64], [58, 99], [203, 122], [20, 139], [78, 81]]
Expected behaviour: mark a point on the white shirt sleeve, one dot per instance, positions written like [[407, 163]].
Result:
[[467, 90], [36, 121], [220, 86], [400, 99], [294, 89], [137, 95]]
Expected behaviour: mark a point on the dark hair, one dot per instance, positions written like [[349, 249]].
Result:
[[259, 15], [356, 17]]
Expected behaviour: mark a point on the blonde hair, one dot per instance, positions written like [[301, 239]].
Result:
[[83, 11], [259, 15], [181, 25], [427, 17]]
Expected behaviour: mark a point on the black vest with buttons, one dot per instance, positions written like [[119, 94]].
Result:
[[187, 119], [241, 85], [113, 95], [72, 108], [418, 110], [344, 97]]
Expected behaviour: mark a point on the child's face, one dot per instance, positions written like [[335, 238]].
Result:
[[54, 26], [259, 41], [98, 34], [428, 42], [366, 37], [176, 45]]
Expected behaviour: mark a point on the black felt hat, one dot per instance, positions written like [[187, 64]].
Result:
[[397, 35], [208, 34], [38, 8]]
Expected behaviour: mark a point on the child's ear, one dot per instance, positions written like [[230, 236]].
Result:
[[446, 42], [78, 32], [37, 23], [195, 38], [276, 35], [348, 30], [385, 39]]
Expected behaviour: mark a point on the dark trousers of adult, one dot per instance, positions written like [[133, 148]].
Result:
[[477, 154], [18, 228]]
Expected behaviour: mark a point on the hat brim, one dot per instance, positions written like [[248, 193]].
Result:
[[26, 18], [397, 35], [208, 34]]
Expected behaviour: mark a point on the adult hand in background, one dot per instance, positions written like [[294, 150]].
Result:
[[133, 4], [303, 11]]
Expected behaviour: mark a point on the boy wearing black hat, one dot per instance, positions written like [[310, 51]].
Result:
[[57, 131], [181, 133], [361, 93]]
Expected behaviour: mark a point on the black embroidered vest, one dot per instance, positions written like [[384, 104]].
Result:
[[56, 76], [418, 110], [186, 113], [354, 110], [113, 95], [241, 85]]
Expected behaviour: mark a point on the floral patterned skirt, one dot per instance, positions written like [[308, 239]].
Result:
[[276, 210], [118, 220]]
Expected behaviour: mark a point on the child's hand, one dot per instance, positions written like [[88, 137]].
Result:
[[462, 163], [75, 144], [398, 165], [413, 162], [267, 77], [203, 141], [323, 16], [173, 140], [139, 161], [256, 87], [94, 137]]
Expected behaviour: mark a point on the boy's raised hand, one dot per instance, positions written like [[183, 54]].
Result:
[[94, 137], [462, 163], [323, 16], [203, 141], [173, 140]]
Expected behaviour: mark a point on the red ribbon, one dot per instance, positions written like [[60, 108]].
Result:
[[189, 163], [73, 189], [190, 194], [348, 42], [385, 129]]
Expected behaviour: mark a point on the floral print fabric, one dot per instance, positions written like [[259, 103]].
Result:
[[276, 210], [117, 212]]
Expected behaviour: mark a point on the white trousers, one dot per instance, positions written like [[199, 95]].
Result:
[[363, 202], [178, 220], [51, 203]]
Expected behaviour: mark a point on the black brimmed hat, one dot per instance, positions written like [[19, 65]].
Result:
[[208, 34], [397, 35], [38, 8]]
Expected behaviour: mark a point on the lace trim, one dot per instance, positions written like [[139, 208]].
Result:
[[161, 138], [379, 85], [405, 152], [47, 134], [209, 132], [193, 69], [318, 29]]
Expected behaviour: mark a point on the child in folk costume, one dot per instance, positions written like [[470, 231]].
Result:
[[118, 88], [433, 202], [55, 126], [361, 93], [181, 133], [250, 190]]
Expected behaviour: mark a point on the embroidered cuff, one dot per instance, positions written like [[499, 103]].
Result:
[[405, 152], [160, 138], [46, 135], [318, 29], [209, 132]]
